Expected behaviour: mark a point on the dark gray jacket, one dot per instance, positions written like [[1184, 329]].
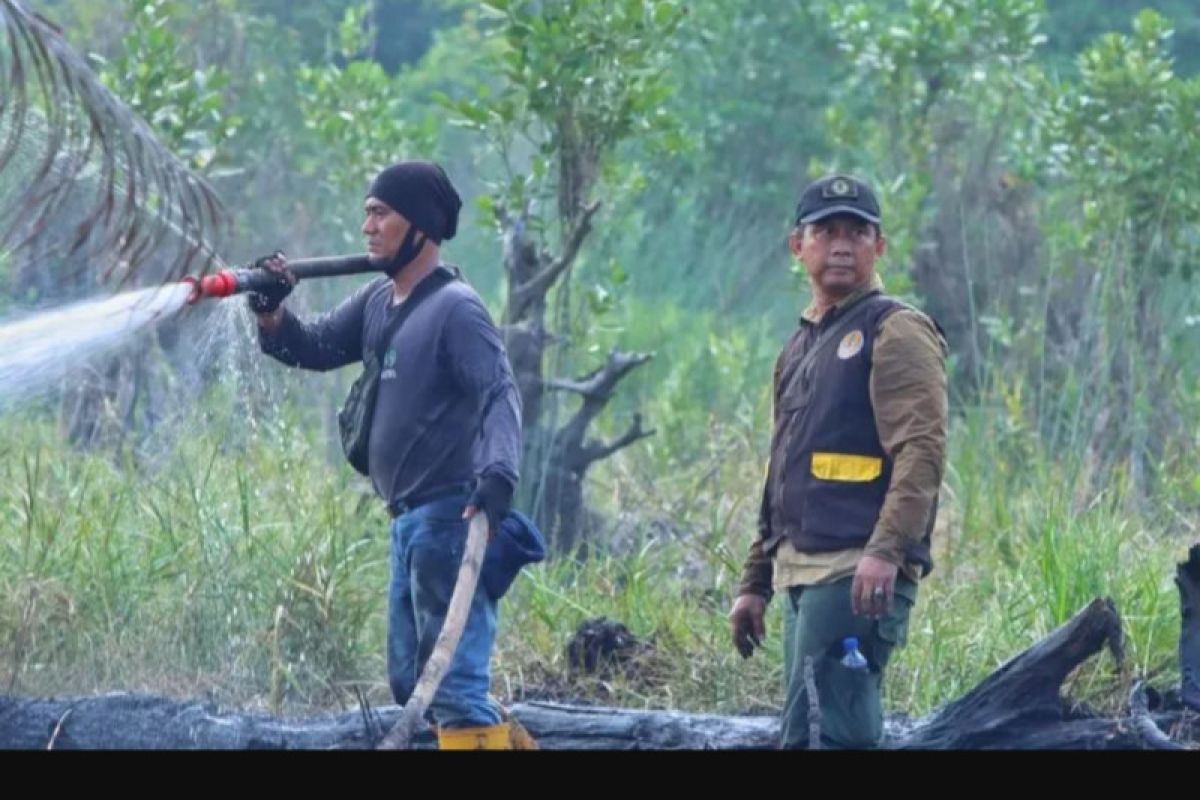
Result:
[[448, 410]]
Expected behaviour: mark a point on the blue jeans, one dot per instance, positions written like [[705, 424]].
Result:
[[427, 548]]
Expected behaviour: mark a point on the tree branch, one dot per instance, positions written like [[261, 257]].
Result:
[[598, 384], [593, 451], [539, 284], [80, 150]]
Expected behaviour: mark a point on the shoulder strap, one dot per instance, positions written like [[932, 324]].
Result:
[[436, 280]]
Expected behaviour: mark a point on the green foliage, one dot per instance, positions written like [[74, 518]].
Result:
[[577, 78], [754, 82], [1121, 145], [211, 573], [1072, 25], [943, 74], [401, 30], [154, 76], [1021, 546], [355, 112], [359, 120], [1126, 178]]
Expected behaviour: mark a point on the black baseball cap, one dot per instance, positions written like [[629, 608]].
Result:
[[837, 194]]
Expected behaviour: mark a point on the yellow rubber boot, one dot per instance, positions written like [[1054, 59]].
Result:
[[490, 737]]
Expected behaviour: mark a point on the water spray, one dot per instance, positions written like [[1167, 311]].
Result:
[[38, 350], [229, 282]]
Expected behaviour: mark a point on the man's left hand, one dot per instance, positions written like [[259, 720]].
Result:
[[493, 496], [874, 589], [267, 300]]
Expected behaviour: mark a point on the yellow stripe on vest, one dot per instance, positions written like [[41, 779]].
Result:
[[844, 467]]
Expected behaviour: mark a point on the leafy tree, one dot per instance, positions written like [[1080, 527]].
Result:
[[577, 80]]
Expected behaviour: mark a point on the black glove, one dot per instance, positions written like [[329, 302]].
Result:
[[266, 300], [493, 496]]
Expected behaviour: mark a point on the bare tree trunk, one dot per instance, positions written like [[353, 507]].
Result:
[[555, 460], [524, 316], [572, 455], [981, 238]]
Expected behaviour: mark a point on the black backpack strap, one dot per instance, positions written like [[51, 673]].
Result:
[[436, 280]]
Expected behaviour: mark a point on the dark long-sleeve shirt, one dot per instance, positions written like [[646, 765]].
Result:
[[448, 410]]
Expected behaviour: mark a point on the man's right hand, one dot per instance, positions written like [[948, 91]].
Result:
[[267, 301], [748, 622]]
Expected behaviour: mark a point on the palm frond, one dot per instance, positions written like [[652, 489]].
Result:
[[79, 168]]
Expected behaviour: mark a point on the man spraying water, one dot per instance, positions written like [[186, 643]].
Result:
[[435, 423]]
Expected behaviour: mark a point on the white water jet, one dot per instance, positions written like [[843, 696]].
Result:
[[40, 349]]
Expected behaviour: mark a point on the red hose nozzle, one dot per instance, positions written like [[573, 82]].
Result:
[[220, 284]]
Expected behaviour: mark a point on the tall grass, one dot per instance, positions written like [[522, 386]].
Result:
[[241, 562], [251, 572]]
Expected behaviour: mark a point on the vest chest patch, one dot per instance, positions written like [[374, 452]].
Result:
[[850, 345]]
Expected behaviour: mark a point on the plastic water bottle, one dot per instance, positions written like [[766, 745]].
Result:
[[853, 657]]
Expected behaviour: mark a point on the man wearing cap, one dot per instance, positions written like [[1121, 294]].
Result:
[[857, 455], [445, 436]]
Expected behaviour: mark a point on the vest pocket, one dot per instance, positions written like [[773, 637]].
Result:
[[846, 467]]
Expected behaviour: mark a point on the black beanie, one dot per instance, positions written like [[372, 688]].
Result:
[[421, 192]]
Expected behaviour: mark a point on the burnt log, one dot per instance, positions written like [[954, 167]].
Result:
[[142, 722], [128, 721], [1187, 578], [1019, 706], [1020, 703]]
